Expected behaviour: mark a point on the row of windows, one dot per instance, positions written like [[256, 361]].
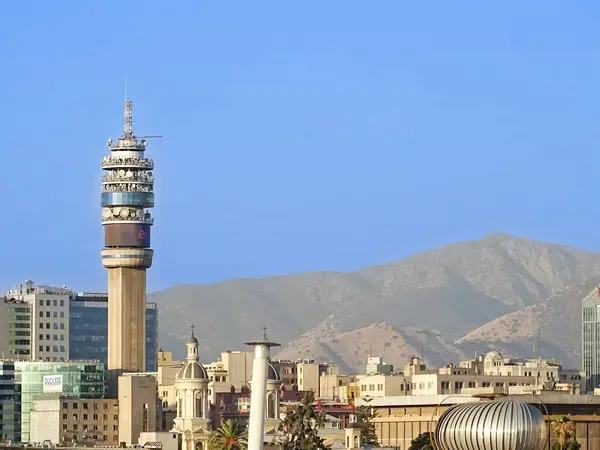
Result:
[[55, 325], [54, 303], [55, 348], [86, 405], [87, 417], [55, 314], [94, 428], [55, 337]]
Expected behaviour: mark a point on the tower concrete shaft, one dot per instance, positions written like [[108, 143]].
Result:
[[127, 194]]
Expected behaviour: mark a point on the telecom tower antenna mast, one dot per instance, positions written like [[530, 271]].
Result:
[[127, 196]]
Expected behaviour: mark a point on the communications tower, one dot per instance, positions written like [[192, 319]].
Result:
[[127, 193]]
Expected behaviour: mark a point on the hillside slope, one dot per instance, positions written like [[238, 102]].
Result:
[[448, 291]]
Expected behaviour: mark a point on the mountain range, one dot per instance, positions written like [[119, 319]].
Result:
[[517, 296]]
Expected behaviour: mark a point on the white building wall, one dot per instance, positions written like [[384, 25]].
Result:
[[50, 327], [45, 421]]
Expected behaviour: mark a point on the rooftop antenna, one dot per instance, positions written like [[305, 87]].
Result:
[[126, 96]]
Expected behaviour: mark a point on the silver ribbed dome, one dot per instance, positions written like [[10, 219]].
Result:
[[496, 425], [192, 371]]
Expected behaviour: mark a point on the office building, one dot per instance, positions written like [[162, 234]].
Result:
[[64, 420], [590, 339], [127, 194], [9, 427], [35, 323], [88, 326], [83, 379]]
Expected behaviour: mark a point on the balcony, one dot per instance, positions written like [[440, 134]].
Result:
[[128, 187], [124, 214], [119, 162], [122, 176]]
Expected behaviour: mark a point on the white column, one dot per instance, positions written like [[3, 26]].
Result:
[[256, 428], [206, 404]]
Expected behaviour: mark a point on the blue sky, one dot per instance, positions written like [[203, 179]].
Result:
[[306, 136]]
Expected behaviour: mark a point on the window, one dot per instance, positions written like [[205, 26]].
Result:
[[85, 406], [47, 337], [41, 337], [41, 302], [54, 303], [41, 325], [47, 302], [41, 348], [95, 416], [62, 326], [47, 348], [48, 314], [65, 406], [41, 313], [64, 427], [85, 417], [105, 417], [62, 303], [48, 325], [62, 337], [75, 417], [55, 314], [62, 315], [74, 427]]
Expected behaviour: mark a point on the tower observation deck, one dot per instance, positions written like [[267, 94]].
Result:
[[127, 194]]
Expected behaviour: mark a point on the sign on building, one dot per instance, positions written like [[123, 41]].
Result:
[[53, 383]]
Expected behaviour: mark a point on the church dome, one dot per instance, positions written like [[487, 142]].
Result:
[[192, 371], [272, 374]]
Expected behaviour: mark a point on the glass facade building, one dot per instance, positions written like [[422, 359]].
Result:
[[81, 379], [9, 427], [590, 339], [88, 329]]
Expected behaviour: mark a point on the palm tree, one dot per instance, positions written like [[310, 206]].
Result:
[[564, 430], [231, 435]]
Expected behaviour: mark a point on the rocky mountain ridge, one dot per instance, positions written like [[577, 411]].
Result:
[[447, 303]]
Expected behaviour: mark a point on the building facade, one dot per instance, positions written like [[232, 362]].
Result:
[[33, 379], [88, 325], [69, 420], [9, 426], [590, 339]]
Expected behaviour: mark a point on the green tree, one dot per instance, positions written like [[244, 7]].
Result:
[[421, 442], [300, 427], [231, 435], [364, 417], [564, 430]]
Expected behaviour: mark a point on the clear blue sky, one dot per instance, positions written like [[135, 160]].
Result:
[[320, 135]]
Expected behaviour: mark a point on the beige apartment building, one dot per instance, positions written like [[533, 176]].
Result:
[[63, 420], [383, 385], [137, 406], [335, 386]]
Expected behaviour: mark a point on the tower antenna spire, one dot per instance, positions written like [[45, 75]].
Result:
[[126, 96], [128, 129]]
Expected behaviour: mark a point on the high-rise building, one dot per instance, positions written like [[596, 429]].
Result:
[[45, 323], [127, 193], [9, 426], [35, 323], [89, 329], [590, 339]]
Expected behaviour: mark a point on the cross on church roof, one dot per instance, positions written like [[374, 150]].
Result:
[[192, 326], [265, 333]]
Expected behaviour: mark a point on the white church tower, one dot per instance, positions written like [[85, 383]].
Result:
[[193, 419]]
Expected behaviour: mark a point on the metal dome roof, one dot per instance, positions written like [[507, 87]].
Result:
[[496, 425], [272, 374], [192, 371]]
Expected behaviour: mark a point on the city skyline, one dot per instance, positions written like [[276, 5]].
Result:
[[324, 149]]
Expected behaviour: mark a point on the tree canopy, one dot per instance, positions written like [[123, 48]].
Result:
[[364, 417], [421, 442], [231, 435], [301, 426]]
